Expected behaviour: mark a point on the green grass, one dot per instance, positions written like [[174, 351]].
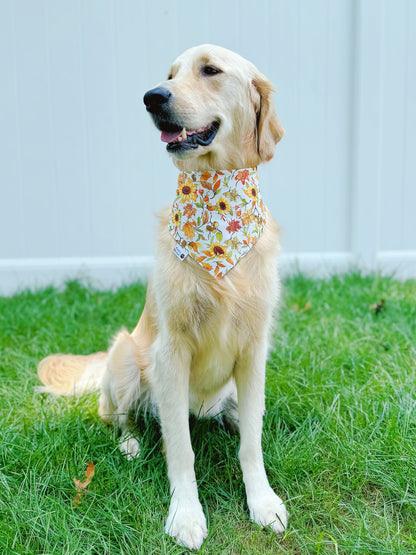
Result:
[[339, 434]]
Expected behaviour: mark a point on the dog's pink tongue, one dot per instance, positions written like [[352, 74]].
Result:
[[169, 137]]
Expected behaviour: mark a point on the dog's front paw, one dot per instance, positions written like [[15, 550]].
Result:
[[267, 509], [186, 522]]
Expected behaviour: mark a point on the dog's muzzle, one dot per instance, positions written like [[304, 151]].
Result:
[[158, 102]]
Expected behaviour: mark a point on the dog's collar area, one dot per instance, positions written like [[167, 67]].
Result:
[[217, 217]]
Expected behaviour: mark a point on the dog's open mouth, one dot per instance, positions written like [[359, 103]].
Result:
[[186, 139]]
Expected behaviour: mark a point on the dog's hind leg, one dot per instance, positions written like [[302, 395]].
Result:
[[223, 407], [230, 412], [124, 390]]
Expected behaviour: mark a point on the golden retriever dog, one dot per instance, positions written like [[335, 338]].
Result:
[[202, 340]]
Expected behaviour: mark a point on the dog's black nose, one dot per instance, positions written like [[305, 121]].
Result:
[[156, 98]]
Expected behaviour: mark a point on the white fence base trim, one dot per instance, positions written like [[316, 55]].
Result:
[[399, 264], [101, 272], [112, 272]]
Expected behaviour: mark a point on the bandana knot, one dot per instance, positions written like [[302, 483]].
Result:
[[217, 217]]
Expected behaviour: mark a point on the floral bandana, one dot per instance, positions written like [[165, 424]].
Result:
[[217, 217]]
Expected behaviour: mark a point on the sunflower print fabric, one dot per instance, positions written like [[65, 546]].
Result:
[[217, 217]]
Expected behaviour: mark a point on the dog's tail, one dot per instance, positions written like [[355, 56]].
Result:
[[72, 374]]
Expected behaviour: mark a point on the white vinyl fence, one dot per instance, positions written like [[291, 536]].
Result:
[[83, 172]]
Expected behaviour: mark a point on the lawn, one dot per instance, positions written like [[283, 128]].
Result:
[[339, 433]]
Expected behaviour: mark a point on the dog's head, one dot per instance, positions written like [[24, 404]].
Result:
[[215, 111]]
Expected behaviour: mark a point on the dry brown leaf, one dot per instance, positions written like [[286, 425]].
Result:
[[307, 306], [80, 486], [378, 307]]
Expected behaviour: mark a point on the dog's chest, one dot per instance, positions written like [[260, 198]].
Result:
[[215, 351], [215, 332]]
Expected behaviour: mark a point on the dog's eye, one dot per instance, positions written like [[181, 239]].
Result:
[[210, 70], [170, 76]]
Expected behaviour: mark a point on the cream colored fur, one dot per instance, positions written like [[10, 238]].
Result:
[[201, 343]]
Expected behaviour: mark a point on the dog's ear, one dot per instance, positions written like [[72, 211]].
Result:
[[269, 128]]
